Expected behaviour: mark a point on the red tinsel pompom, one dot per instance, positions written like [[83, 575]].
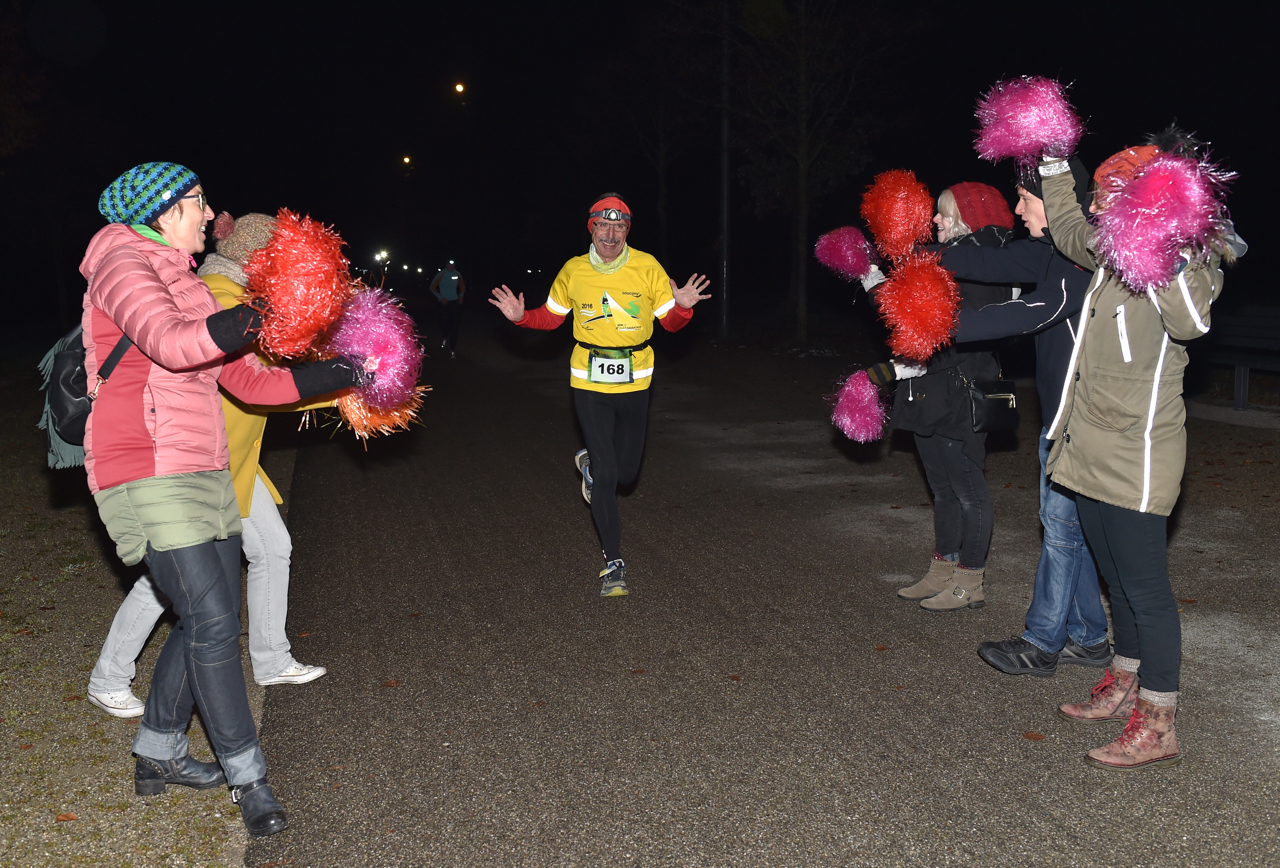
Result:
[[899, 211], [919, 302], [299, 281], [846, 252]]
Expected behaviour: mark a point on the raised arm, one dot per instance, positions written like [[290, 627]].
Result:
[[1071, 232]]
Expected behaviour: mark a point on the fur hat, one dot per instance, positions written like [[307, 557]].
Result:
[[145, 192]]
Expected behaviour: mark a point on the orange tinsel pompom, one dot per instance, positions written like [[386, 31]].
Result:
[[366, 421], [899, 211], [919, 302], [299, 281]]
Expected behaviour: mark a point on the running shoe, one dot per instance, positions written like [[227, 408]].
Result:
[[1097, 656], [582, 461], [613, 580]]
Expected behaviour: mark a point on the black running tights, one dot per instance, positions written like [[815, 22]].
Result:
[[613, 425]]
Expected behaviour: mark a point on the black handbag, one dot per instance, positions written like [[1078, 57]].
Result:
[[995, 405], [68, 399]]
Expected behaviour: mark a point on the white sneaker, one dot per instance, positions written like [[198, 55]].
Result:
[[119, 703], [294, 673]]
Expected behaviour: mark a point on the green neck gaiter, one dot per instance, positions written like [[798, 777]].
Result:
[[609, 267]]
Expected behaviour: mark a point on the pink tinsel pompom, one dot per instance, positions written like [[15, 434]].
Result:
[[899, 211], [846, 252], [299, 281], [373, 330], [1027, 118], [859, 412], [1172, 204], [919, 302]]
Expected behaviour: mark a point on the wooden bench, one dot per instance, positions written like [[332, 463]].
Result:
[[1246, 338]]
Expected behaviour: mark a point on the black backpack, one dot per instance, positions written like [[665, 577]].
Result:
[[67, 399]]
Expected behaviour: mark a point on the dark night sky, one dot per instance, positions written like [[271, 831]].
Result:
[[314, 106]]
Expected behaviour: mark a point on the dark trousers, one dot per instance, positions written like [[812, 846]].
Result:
[[613, 424], [1131, 550], [200, 662], [962, 511], [450, 317]]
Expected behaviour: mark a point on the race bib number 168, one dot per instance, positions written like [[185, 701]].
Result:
[[603, 369]]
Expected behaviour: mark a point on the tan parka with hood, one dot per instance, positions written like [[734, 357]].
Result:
[[1119, 432]]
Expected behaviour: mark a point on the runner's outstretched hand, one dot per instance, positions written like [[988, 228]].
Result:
[[691, 293], [511, 305]]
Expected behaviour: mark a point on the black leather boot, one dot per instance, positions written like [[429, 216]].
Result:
[[261, 813], [151, 776]]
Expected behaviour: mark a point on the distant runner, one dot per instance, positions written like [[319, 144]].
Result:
[[614, 293], [449, 289]]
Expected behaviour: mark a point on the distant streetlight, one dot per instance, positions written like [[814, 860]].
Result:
[[459, 88], [406, 268], [419, 270], [406, 160]]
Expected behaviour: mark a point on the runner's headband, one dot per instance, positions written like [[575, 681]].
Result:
[[608, 208]]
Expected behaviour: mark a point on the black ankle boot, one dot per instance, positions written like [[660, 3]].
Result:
[[261, 813], [151, 776]]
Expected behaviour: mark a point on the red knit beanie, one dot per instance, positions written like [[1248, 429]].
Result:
[[981, 205], [1120, 167]]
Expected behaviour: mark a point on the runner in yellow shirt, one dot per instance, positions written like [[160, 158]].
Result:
[[614, 293]]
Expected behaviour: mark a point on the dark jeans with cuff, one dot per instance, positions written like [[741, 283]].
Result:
[[962, 511], [200, 662]]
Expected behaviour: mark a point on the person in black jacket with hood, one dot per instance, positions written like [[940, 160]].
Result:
[[936, 408], [1065, 621]]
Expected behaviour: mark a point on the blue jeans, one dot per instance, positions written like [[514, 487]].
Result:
[[1066, 601], [200, 662]]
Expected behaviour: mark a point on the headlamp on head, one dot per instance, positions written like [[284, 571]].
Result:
[[608, 207]]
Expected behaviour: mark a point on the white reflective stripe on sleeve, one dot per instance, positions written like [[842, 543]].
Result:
[[556, 309], [1075, 350], [662, 311], [1151, 418], [1191, 305], [1123, 330]]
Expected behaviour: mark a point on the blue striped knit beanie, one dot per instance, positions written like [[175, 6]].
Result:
[[145, 192]]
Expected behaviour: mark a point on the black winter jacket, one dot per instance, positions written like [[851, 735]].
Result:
[[1051, 313], [938, 402]]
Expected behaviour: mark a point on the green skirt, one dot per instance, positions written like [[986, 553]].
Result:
[[169, 512]]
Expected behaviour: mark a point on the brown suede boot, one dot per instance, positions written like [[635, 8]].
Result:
[[1148, 739], [1112, 698], [964, 590], [934, 581]]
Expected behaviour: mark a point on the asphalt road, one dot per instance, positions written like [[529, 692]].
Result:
[[762, 697]]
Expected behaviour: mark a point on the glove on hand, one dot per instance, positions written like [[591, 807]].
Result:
[[330, 375], [874, 278], [234, 327], [908, 372], [881, 373]]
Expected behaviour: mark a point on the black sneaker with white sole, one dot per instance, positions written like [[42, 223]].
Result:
[[1017, 656], [1098, 656]]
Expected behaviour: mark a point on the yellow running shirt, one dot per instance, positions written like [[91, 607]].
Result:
[[612, 310]]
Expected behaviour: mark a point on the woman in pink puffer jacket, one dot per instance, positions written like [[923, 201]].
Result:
[[156, 454]]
